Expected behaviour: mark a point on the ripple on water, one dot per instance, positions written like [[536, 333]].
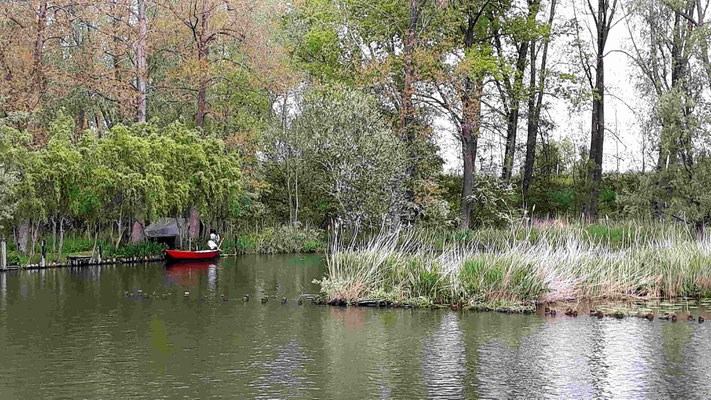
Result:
[[73, 334]]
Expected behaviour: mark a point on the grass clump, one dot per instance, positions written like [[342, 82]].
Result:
[[517, 265]]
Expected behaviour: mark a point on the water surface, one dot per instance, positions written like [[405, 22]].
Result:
[[73, 333]]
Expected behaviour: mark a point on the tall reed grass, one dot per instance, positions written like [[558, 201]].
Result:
[[525, 263]]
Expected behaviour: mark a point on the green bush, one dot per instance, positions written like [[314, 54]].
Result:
[[143, 249], [13, 259], [281, 239]]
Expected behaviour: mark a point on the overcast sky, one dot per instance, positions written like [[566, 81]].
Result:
[[623, 139]]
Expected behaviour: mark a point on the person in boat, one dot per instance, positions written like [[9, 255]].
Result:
[[212, 243]]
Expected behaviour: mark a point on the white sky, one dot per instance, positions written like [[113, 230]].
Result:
[[625, 138]]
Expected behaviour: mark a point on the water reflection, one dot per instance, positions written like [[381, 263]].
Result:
[[443, 364], [352, 317], [189, 274], [76, 331], [3, 289], [282, 373]]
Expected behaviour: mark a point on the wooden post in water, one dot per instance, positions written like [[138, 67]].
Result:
[[43, 260], [3, 254]]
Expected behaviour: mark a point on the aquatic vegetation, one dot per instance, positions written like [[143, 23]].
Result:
[[554, 264]]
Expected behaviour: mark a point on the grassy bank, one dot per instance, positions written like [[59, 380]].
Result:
[[523, 265], [77, 246], [270, 240]]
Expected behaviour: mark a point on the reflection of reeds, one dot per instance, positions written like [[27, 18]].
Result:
[[524, 263]]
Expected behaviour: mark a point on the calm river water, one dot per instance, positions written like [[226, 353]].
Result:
[[73, 333]]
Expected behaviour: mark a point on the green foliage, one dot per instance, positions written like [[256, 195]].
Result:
[[353, 156], [677, 192], [143, 249], [282, 239], [494, 202]]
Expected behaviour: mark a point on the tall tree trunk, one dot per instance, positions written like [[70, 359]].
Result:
[[532, 125], [194, 223], [406, 126], [34, 228], [61, 237], [203, 53], [535, 102], [141, 64], [116, 44], [471, 103], [512, 118], [597, 135], [515, 91], [23, 235], [54, 235], [39, 83], [597, 139]]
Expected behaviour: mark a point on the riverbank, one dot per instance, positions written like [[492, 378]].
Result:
[[268, 240], [522, 267]]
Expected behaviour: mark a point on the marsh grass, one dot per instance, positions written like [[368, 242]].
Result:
[[527, 263]]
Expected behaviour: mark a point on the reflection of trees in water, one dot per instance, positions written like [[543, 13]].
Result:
[[212, 277], [92, 273], [686, 354], [284, 374], [591, 358], [444, 359], [3, 289], [352, 317]]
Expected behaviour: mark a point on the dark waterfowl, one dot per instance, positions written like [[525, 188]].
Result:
[[300, 301], [701, 319], [245, 297], [283, 300], [186, 294], [571, 313], [265, 299]]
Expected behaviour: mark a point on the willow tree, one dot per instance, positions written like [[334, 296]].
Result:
[[14, 159], [58, 175]]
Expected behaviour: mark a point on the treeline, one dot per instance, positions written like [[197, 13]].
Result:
[[114, 180], [324, 112]]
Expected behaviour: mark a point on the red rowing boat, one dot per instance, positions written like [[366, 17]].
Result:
[[178, 255]]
